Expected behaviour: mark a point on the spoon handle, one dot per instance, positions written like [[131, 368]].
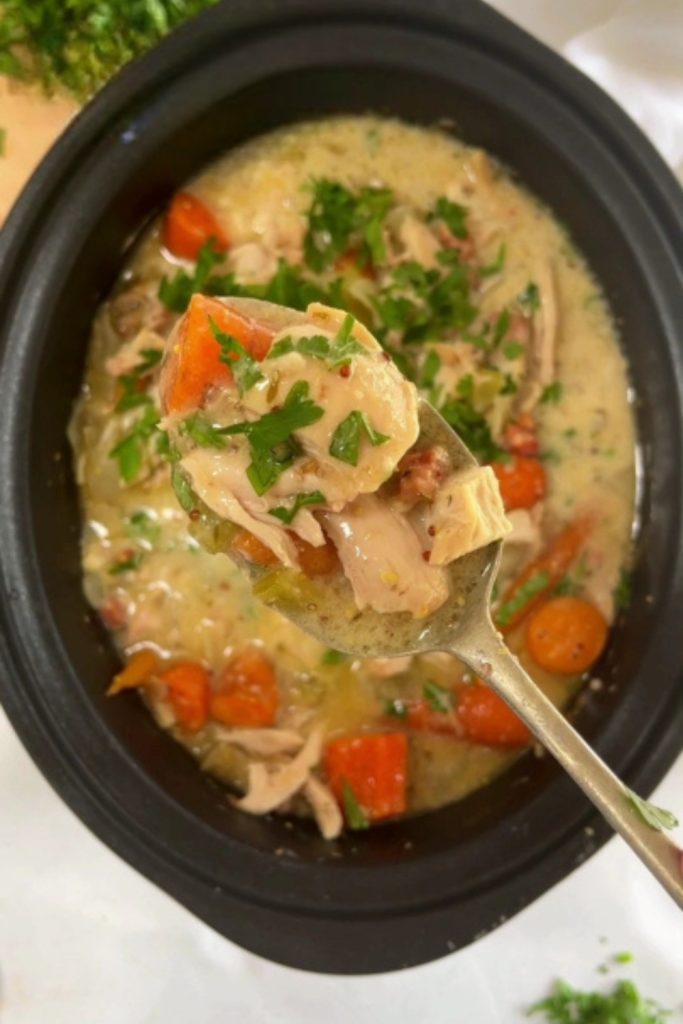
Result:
[[486, 654]]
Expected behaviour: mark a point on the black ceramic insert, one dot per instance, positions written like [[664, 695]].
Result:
[[403, 893]]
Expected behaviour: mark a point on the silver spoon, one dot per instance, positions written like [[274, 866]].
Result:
[[463, 627]]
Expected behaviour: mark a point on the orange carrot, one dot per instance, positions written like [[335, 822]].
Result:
[[373, 767], [247, 693], [253, 549], [348, 262], [520, 435], [188, 225], [541, 575], [521, 481], [487, 719], [566, 635], [194, 363], [189, 688], [316, 561], [138, 671]]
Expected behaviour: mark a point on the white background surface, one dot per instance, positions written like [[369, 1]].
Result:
[[85, 940]]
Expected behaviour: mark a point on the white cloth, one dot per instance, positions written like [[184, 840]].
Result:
[[86, 940]]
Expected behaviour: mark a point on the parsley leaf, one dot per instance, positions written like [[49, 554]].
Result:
[[512, 349], [203, 433], [535, 585], [244, 367], [438, 698], [176, 292], [657, 818], [530, 298], [182, 489], [471, 427], [129, 451], [338, 352], [452, 214], [345, 443], [552, 393], [430, 369], [143, 526], [623, 1005], [272, 445], [339, 220], [356, 817], [501, 327], [497, 265], [288, 514], [129, 564], [622, 591], [332, 657]]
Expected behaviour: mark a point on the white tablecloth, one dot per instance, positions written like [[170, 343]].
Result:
[[86, 940]]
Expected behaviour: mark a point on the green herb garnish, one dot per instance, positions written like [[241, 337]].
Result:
[[143, 526], [132, 383], [530, 298], [332, 657], [288, 514], [356, 817], [623, 590], [182, 489], [657, 818], [552, 393], [512, 349], [497, 265], [396, 708], [339, 220], [129, 451], [438, 698], [430, 369], [201, 432], [129, 564], [623, 1005], [452, 214], [244, 367], [176, 292], [337, 352], [345, 444], [472, 428], [272, 444], [535, 585]]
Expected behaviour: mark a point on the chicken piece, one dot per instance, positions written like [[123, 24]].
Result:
[[383, 559], [136, 307], [324, 806], [421, 474], [387, 668], [467, 514], [540, 354], [268, 788], [262, 742], [523, 541], [412, 239], [252, 263], [130, 354]]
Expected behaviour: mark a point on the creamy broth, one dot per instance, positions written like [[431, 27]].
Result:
[[167, 594]]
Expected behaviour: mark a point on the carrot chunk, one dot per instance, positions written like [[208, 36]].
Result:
[[188, 225], [541, 575], [138, 671], [189, 687], [194, 363], [566, 635], [487, 719], [374, 766], [520, 435], [247, 693], [521, 481], [253, 549], [316, 561]]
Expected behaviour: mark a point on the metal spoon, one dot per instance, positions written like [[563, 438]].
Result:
[[463, 627]]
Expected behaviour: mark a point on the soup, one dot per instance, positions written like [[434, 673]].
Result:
[[480, 298]]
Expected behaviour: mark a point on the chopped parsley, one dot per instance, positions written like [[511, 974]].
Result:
[[340, 220], [512, 349], [623, 590], [430, 368], [182, 489], [132, 384], [396, 708], [129, 451], [552, 393], [176, 292], [530, 298], [500, 328], [356, 817], [497, 265], [657, 818], [337, 352], [438, 698], [332, 657], [471, 427], [424, 303], [129, 564], [452, 214], [534, 586], [272, 444], [141, 525], [623, 1005], [244, 367], [288, 514], [509, 385], [345, 443], [201, 432]]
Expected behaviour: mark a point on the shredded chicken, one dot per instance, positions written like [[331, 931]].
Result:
[[252, 263], [262, 742], [540, 354], [467, 514], [412, 239], [324, 806], [268, 788], [386, 668], [137, 307]]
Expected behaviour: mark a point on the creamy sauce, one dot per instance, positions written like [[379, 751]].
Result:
[[185, 603]]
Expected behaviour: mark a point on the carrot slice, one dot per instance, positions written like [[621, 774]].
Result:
[[189, 688], [487, 719], [253, 549], [541, 575], [188, 225], [138, 671], [316, 561], [566, 635], [521, 481], [520, 435], [374, 766], [247, 692], [194, 362]]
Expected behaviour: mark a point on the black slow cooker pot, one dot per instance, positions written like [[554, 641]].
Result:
[[412, 891]]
